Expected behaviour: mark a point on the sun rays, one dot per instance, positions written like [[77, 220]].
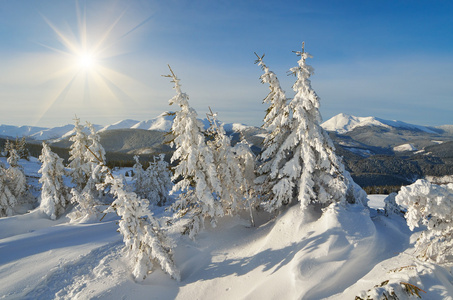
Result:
[[83, 76]]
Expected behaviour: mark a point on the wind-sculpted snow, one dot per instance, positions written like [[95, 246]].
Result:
[[340, 254]]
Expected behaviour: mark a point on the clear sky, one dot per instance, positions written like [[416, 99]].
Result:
[[103, 59]]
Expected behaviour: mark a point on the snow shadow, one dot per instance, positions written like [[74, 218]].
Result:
[[60, 236]]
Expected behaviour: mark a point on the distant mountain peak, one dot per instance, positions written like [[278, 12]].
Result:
[[343, 123]]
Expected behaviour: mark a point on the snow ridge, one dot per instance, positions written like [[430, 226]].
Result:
[[343, 123]]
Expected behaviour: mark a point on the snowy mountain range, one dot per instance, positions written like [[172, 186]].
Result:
[[341, 124]]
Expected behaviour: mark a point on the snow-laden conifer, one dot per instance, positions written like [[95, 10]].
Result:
[[88, 198], [159, 181], [197, 180], [54, 194], [145, 242], [141, 180], [154, 183], [430, 205], [235, 168], [7, 200], [277, 125], [17, 180], [94, 155], [304, 165], [79, 169]]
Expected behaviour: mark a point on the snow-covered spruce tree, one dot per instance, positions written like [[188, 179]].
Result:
[[195, 173], [79, 169], [8, 147], [89, 196], [141, 180], [159, 181], [144, 240], [54, 194], [21, 147], [277, 123], [430, 205], [16, 177], [305, 166], [235, 168], [95, 155], [7, 199]]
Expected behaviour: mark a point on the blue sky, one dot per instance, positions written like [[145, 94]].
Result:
[[390, 59]]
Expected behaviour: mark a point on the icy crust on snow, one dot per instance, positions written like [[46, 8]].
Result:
[[343, 123]]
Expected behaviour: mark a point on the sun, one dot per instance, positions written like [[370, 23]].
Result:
[[84, 61], [87, 61]]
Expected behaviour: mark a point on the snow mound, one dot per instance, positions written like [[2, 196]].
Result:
[[343, 123], [404, 147]]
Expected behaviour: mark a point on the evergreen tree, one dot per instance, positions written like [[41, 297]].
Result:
[[235, 168], [79, 169], [17, 180], [159, 181], [22, 150], [8, 147], [305, 166], [195, 173], [7, 199], [140, 179], [144, 240], [54, 194], [95, 155], [89, 196], [277, 125]]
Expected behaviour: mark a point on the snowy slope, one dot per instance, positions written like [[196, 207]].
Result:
[[162, 123], [123, 124], [343, 123], [52, 133], [338, 255], [344, 252]]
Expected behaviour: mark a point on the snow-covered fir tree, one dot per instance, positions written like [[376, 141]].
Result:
[[235, 168], [304, 165], [20, 146], [17, 180], [145, 242], [160, 182], [430, 205], [95, 155], [277, 125], [195, 174], [54, 194], [155, 183], [141, 183], [89, 196], [79, 169], [7, 199]]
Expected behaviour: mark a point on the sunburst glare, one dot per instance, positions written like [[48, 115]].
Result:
[[86, 78]]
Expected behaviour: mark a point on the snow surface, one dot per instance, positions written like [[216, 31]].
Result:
[[339, 254], [404, 147], [343, 123]]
